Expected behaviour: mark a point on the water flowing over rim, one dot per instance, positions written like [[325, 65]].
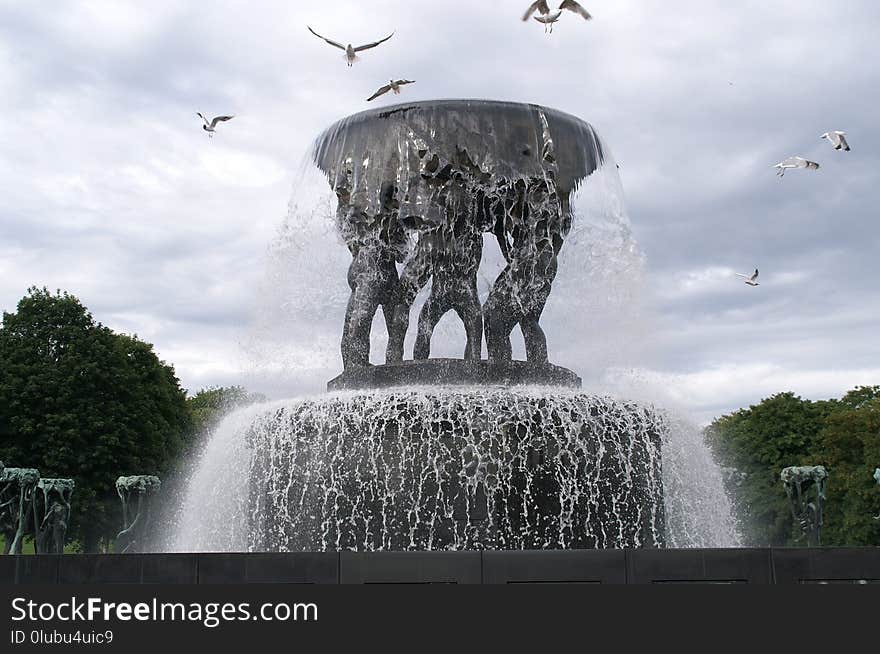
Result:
[[579, 156]]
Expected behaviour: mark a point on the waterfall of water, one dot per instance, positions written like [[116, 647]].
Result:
[[429, 468]]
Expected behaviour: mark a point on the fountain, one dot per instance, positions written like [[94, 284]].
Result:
[[443, 453]]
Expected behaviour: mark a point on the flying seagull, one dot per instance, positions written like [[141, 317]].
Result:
[[838, 140], [350, 50], [210, 125], [549, 17], [795, 162], [751, 280], [392, 85]]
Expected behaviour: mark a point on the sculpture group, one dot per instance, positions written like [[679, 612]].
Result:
[[39, 507], [427, 210], [31, 506]]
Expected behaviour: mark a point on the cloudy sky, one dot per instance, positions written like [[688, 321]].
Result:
[[111, 190]]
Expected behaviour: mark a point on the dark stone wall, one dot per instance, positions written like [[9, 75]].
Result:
[[643, 566]]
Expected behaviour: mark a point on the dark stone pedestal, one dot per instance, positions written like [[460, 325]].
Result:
[[454, 372]]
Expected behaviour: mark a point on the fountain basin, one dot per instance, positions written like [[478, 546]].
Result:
[[455, 468]]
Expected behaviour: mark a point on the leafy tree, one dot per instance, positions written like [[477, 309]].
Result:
[[79, 401], [757, 443], [849, 447], [843, 435], [209, 405]]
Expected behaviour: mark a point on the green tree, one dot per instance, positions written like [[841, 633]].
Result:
[[79, 401], [849, 447], [755, 444], [209, 405]]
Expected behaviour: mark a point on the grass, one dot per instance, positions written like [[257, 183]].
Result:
[[28, 546]]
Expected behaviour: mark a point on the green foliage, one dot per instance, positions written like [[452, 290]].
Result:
[[209, 405], [755, 444], [77, 400], [849, 446], [28, 546]]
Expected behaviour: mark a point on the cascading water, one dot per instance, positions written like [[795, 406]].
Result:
[[244, 498], [433, 201], [455, 468]]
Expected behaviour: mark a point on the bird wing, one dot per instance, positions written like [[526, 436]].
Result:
[[220, 119], [743, 276], [571, 5], [842, 140], [810, 164], [199, 114], [404, 81], [538, 5], [381, 90], [333, 43], [754, 276], [374, 44]]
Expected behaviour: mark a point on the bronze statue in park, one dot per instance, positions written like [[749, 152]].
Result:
[[51, 509], [17, 486], [136, 494], [805, 488]]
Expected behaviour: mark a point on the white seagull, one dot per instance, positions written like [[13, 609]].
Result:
[[350, 50], [549, 17], [838, 140], [209, 126], [795, 162], [392, 85], [751, 280]]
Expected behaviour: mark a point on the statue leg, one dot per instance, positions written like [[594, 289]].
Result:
[[397, 322], [499, 318], [533, 334], [545, 270], [536, 341], [356, 332], [435, 307], [367, 281], [471, 314], [412, 279]]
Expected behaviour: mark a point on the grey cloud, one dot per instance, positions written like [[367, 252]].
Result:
[[110, 191]]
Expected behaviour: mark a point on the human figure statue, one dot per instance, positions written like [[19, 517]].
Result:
[[420, 185], [51, 509], [877, 479], [376, 244], [446, 219], [17, 487], [454, 250], [136, 520], [530, 235], [805, 488], [531, 228]]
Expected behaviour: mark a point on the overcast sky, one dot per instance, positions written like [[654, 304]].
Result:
[[111, 191]]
